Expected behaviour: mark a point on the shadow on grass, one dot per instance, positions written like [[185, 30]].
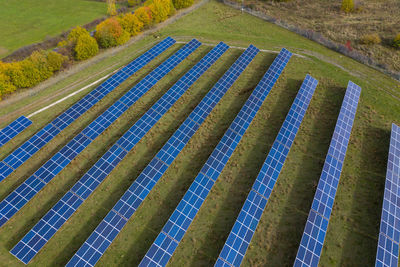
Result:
[[302, 184], [99, 152], [361, 238]]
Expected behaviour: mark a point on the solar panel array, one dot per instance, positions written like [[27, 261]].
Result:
[[389, 233], [27, 190], [317, 223], [40, 139], [243, 230], [18, 198], [173, 231], [13, 129], [112, 224], [34, 240]]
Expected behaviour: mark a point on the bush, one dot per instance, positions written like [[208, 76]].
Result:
[[161, 9], [396, 41], [131, 24], [85, 48], [178, 4], [76, 33], [6, 86], [132, 3], [109, 33], [371, 39], [347, 6], [144, 15]]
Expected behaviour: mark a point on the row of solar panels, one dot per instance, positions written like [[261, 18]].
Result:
[[170, 236], [13, 129]]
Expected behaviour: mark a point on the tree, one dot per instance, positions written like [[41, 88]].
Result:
[[348, 6], [178, 4], [109, 33], [144, 15], [6, 86], [131, 24], [161, 9], [111, 8], [86, 47]]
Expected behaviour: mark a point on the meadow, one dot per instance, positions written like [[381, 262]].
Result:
[[31, 21]]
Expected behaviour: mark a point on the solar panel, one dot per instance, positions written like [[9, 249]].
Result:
[[173, 231], [41, 138], [243, 230], [25, 192], [13, 129], [313, 238], [63, 210], [389, 233], [123, 210]]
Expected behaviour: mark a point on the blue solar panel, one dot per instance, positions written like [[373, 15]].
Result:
[[13, 129], [173, 231], [101, 238], [89, 182], [389, 233], [36, 142], [312, 241], [243, 230], [12, 203]]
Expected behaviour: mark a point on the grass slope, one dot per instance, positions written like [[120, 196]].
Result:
[[353, 229], [29, 21]]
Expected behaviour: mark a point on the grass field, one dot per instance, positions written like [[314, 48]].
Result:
[[353, 229], [24, 22]]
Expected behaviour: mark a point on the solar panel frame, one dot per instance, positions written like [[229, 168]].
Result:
[[89, 182], [41, 138], [246, 223], [173, 231], [311, 244], [137, 192], [389, 231], [13, 129]]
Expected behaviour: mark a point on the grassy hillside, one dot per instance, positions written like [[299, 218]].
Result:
[[25, 22], [353, 229]]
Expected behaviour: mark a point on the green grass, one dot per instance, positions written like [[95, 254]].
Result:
[[24, 22], [353, 229]]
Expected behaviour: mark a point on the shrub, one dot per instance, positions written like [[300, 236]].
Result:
[[76, 33], [178, 4], [85, 48], [371, 39], [110, 33], [161, 9], [132, 3], [131, 24], [396, 41], [6, 86], [347, 6], [144, 15]]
